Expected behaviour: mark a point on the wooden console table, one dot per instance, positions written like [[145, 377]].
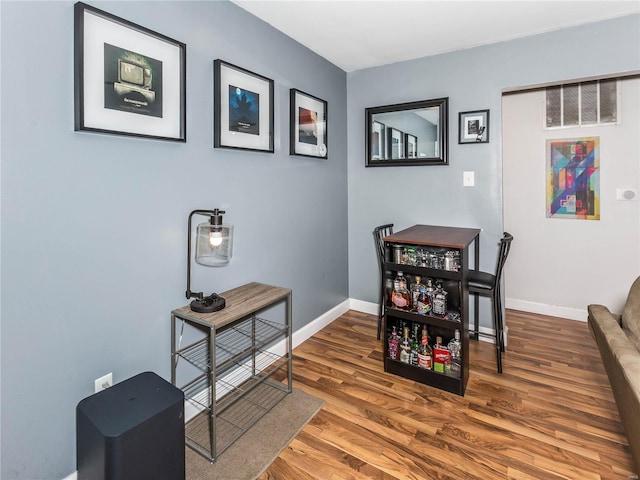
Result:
[[235, 370]]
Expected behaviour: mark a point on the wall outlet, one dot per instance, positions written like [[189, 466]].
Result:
[[468, 179], [103, 382]]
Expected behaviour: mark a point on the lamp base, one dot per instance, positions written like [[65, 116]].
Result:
[[212, 303]]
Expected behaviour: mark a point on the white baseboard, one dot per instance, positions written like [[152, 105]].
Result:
[[522, 305], [364, 307], [319, 323], [298, 337], [191, 408], [544, 309], [325, 319]]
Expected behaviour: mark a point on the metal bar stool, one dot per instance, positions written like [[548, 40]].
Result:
[[378, 234], [488, 285]]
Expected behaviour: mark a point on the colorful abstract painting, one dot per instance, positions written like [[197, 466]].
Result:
[[573, 178]]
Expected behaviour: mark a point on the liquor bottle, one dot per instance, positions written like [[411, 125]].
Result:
[[415, 345], [396, 282], [423, 302], [412, 256], [397, 253], [450, 261], [400, 296], [425, 354], [405, 346], [439, 304], [430, 289], [455, 349], [388, 291], [393, 345], [415, 291], [441, 357]]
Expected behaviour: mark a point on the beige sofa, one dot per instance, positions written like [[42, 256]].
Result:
[[618, 339]]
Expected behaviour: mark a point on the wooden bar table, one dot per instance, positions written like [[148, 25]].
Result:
[[438, 239]]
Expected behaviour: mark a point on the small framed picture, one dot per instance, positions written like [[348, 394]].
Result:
[[243, 112], [308, 125], [473, 127], [396, 144], [128, 80], [411, 145]]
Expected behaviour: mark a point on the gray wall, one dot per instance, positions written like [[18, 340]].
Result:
[[94, 226], [473, 79]]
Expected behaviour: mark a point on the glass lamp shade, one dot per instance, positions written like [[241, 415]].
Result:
[[214, 244]]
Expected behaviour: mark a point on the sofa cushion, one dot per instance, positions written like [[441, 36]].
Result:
[[631, 314]]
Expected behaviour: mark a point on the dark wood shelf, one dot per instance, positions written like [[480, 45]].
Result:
[[456, 284], [424, 271], [429, 377], [428, 319]]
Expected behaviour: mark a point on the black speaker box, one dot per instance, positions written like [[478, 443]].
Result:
[[133, 430]]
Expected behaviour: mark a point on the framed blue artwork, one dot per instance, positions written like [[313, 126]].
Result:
[[243, 109]]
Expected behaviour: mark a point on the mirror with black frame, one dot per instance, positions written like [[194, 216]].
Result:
[[414, 133]]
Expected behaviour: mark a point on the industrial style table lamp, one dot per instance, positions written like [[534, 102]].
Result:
[[214, 244]]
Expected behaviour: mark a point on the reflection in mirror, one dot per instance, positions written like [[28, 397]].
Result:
[[414, 133]]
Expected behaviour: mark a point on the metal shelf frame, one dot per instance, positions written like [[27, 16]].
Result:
[[251, 368]]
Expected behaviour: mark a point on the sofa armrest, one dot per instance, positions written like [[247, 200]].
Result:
[[621, 360], [599, 314]]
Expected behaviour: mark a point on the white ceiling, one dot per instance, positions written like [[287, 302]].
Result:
[[358, 34]]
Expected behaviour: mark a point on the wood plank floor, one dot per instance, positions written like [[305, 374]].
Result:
[[550, 415]]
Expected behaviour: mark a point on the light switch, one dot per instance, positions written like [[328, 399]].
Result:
[[468, 179]]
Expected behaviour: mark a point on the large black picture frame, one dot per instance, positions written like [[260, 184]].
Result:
[[308, 125], [128, 79], [243, 109]]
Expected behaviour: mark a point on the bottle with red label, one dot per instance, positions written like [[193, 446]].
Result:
[[425, 354], [441, 358]]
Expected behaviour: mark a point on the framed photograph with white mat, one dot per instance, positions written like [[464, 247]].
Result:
[[243, 113], [129, 80], [308, 125], [473, 127]]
